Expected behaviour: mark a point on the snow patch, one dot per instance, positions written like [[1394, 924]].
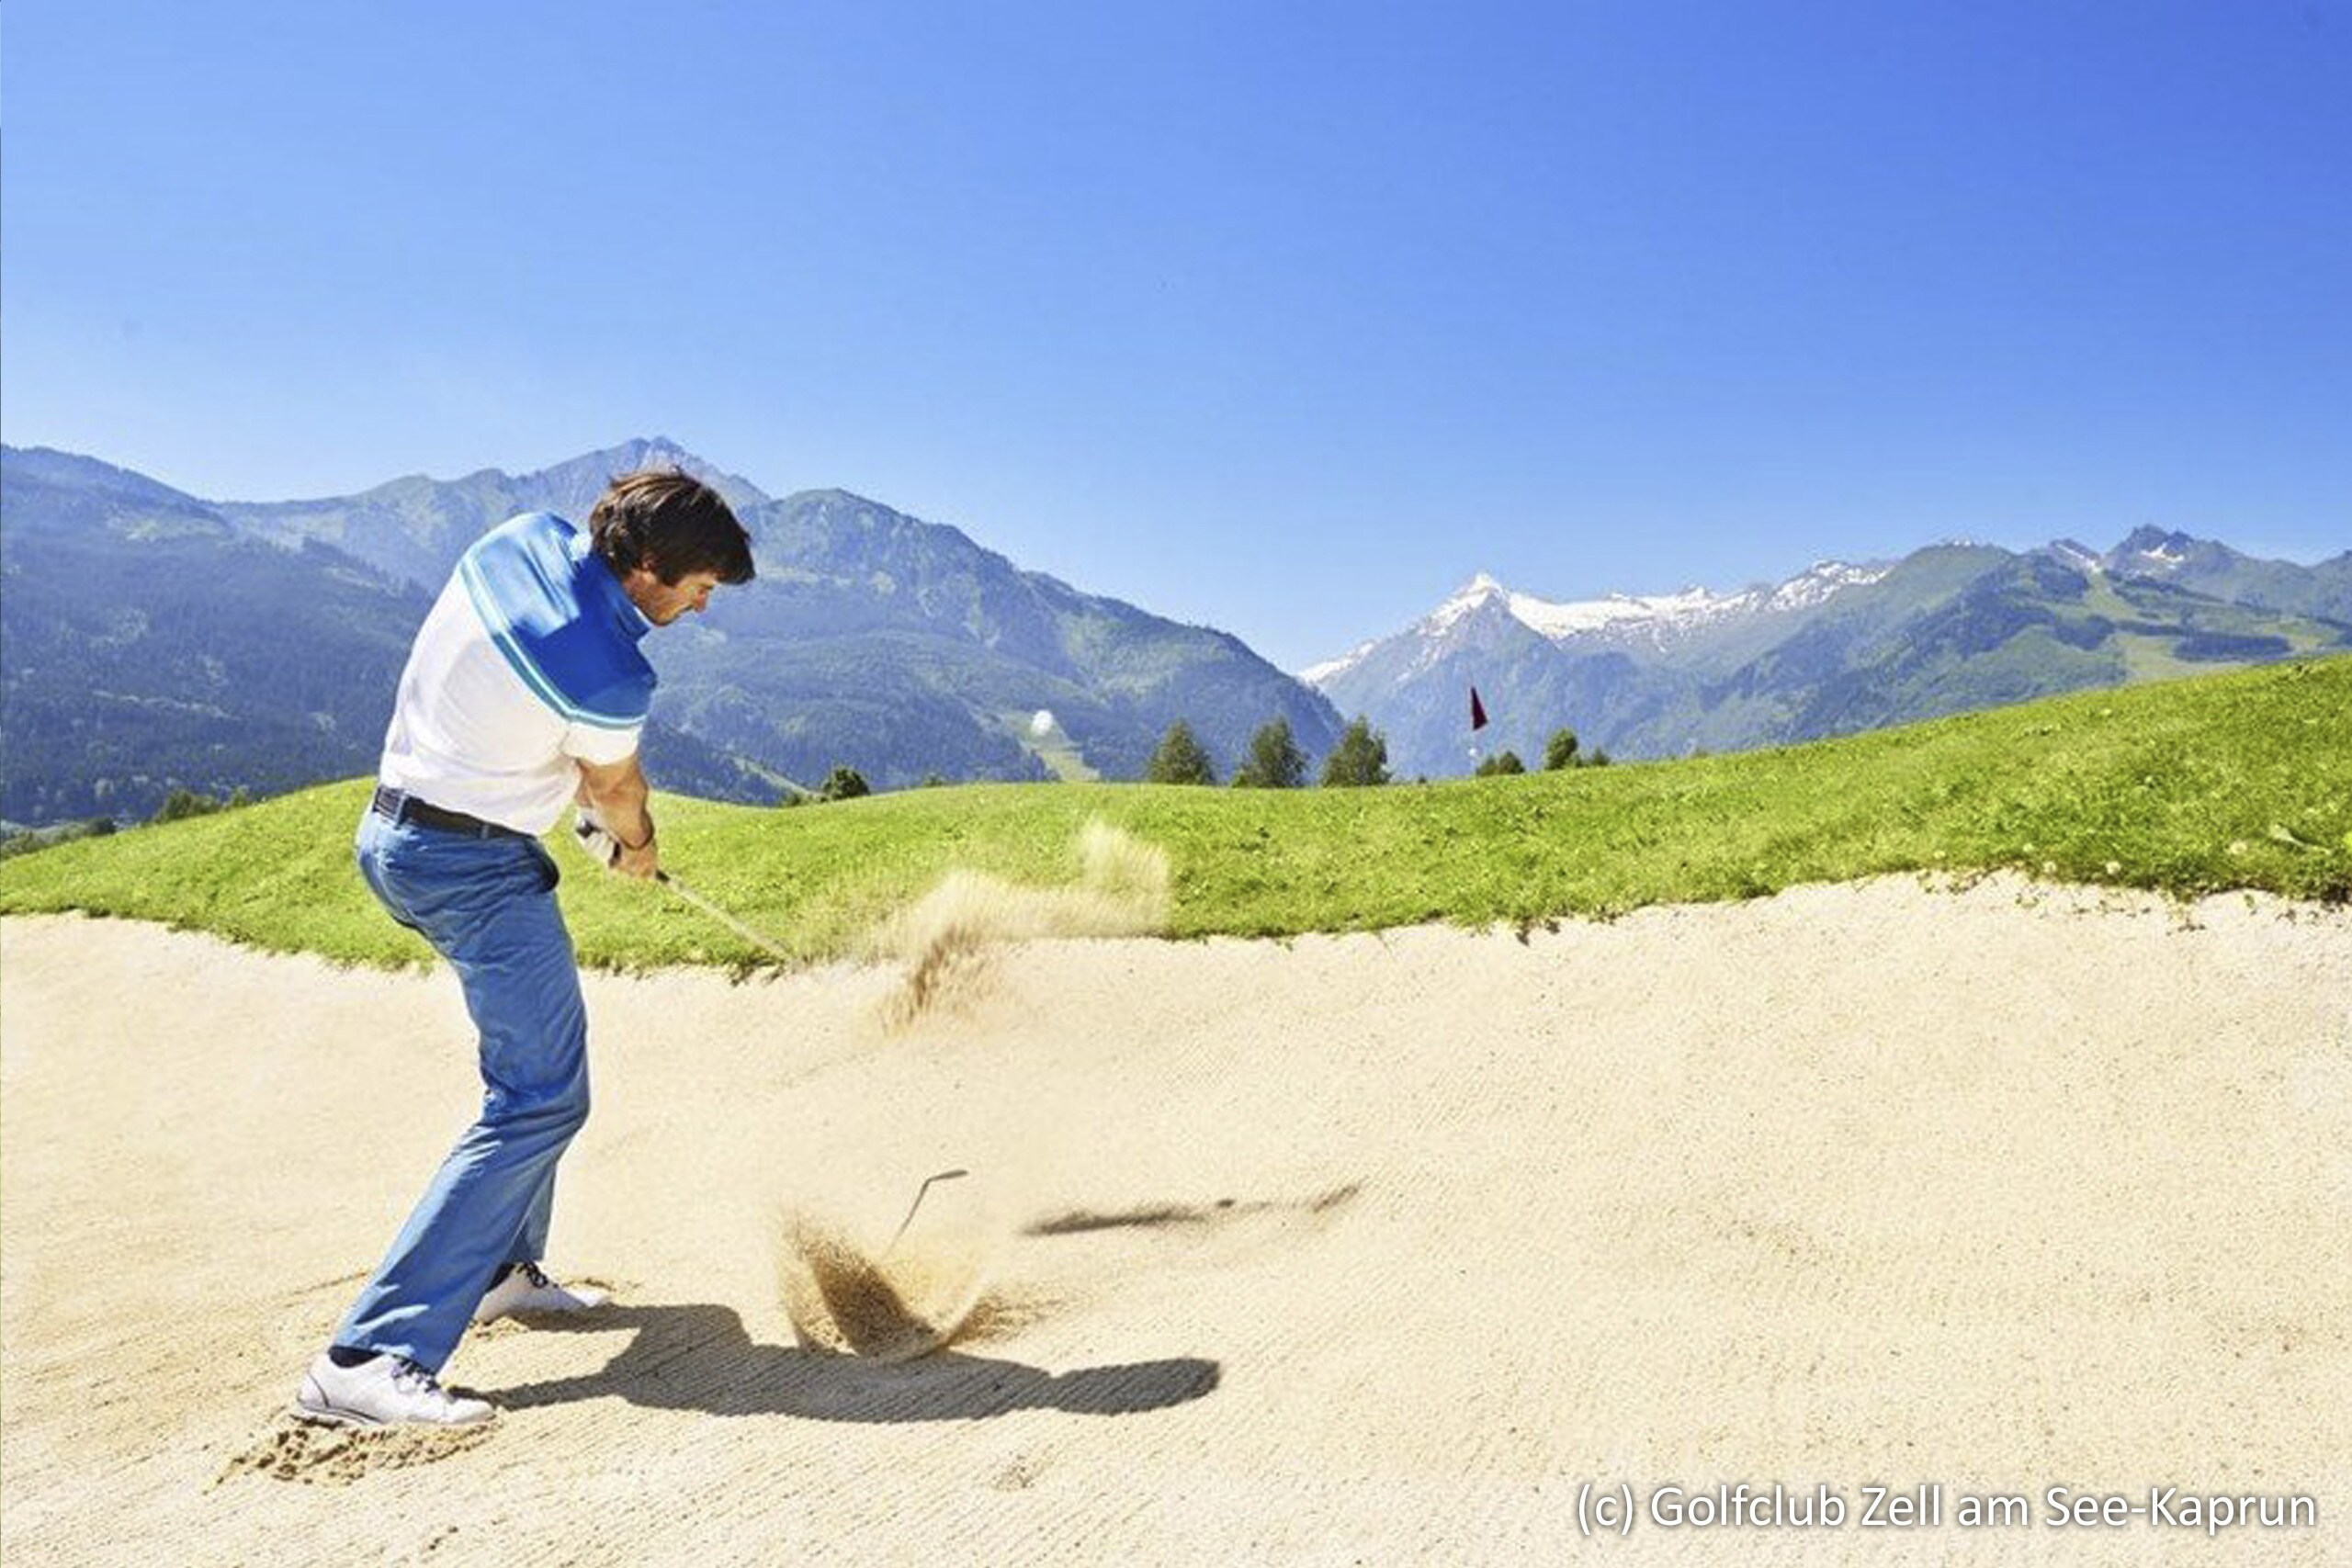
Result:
[[1656, 617], [1688, 608], [1820, 581], [1662, 617], [1331, 669], [1479, 591]]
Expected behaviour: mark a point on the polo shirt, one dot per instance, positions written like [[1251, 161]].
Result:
[[527, 666]]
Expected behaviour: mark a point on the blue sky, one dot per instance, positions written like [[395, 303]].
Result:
[[1281, 317]]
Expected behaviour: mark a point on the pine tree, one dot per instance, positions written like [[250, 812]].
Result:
[[1560, 751], [844, 783], [1275, 760], [1360, 759], [1178, 760], [1500, 762]]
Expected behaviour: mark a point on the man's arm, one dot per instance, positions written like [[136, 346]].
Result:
[[617, 792]]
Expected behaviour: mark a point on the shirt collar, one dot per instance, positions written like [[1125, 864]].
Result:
[[599, 586]]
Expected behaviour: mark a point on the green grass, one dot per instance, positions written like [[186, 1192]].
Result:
[[2238, 781]]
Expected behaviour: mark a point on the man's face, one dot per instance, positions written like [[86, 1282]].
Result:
[[663, 602]]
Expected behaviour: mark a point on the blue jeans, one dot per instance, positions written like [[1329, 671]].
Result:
[[487, 905]]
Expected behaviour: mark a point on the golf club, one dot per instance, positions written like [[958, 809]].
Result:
[[919, 1194], [722, 916], [597, 840]]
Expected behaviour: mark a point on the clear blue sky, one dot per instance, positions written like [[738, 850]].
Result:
[[1283, 317]]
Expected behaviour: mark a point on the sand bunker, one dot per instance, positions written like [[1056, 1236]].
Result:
[[2002, 1188], [944, 940]]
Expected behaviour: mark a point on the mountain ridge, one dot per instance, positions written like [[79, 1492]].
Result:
[[871, 638], [1832, 648], [909, 648]]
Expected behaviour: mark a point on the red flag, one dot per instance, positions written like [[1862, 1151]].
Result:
[[1477, 711]]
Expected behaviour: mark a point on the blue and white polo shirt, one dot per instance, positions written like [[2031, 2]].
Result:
[[527, 666]]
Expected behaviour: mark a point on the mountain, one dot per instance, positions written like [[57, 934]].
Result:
[[902, 646], [155, 640], [414, 529], [1835, 648], [2204, 567], [870, 638], [144, 645]]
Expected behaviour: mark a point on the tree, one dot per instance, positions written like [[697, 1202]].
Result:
[[1178, 760], [844, 783], [1500, 762], [1360, 759], [184, 803], [1275, 760], [1560, 751]]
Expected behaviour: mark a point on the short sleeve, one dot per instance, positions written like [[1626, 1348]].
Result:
[[603, 746]]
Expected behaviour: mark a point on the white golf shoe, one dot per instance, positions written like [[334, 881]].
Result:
[[526, 1288], [384, 1391]]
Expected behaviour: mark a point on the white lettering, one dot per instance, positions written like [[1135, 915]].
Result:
[[2067, 1509]]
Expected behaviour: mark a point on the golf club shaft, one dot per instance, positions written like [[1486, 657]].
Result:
[[920, 1194], [722, 916]]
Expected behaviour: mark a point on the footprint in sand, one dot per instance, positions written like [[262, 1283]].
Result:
[[337, 1456]]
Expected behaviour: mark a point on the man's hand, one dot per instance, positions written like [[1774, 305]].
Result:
[[598, 841], [613, 822], [643, 863]]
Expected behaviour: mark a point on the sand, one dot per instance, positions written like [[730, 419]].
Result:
[[1370, 1249]]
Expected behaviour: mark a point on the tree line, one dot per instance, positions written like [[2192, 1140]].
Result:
[[1561, 751], [1273, 760]]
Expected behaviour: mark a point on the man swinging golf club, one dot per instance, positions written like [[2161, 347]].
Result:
[[524, 692]]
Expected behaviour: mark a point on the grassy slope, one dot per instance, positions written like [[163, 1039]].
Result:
[[2236, 780]]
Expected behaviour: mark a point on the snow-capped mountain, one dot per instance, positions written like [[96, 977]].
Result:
[[2154, 552], [1315, 674], [1660, 616], [1838, 647], [2208, 567], [1658, 621]]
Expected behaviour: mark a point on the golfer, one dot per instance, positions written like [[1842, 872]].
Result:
[[526, 691]]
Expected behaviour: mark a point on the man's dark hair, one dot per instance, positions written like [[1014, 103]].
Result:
[[670, 522]]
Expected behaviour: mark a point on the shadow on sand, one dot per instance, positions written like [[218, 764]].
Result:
[[1160, 1216], [698, 1357]]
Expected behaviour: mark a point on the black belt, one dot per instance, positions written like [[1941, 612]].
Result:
[[402, 806]]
